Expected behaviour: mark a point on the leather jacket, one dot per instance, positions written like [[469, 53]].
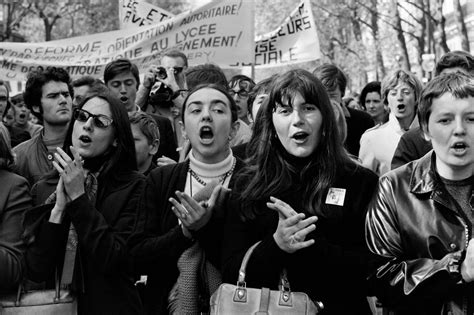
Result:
[[418, 234]]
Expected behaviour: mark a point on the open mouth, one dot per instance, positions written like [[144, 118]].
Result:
[[459, 146], [300, 136], [206, 133], [124, 99], [22, 116], [401, 106], [85, 139]]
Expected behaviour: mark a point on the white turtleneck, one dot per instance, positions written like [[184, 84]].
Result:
[[208, 172]]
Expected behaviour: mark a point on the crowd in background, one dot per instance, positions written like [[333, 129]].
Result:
[[150, 192]]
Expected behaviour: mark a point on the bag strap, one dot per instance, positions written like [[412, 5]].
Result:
[[284, 284], [243, 266]]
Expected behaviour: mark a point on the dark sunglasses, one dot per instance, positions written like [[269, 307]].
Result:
[[241, 93], [100, 121]]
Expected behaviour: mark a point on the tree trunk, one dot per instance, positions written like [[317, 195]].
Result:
[[461, 26], [404, 60], [48, 27], [379, 64], [441, 27]]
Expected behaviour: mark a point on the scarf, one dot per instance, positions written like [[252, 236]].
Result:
[[198, 278], [90, 187]]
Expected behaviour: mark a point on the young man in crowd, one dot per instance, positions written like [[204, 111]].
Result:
[[22, 116], [48, 96], [239, 88], [357, 122], [7, 116], [122, 78], [163, 89], [147, 140], [85, 86], [412, 144]]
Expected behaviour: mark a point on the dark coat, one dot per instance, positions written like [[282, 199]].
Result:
[[103, 270], [357, 123], [332, 270], [167, 139], [418, 233], [14, 201], [158, 240], [412, 146]]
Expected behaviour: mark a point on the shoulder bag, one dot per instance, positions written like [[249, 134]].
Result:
[[238, 299], [57, 301]]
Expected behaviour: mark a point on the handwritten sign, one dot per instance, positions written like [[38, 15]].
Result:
[[295, 40], [220, 32]]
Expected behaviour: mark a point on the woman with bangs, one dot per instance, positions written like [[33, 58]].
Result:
[[179, 222], [303, 197], [86, 210]]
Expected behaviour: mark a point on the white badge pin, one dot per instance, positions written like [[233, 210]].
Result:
[[336, 196]]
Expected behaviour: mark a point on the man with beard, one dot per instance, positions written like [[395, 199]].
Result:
[[122, 78], [48, 96], [22, 116]]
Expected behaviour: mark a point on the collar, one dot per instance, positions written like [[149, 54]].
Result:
[[346, 111], [211, 170], [394, 124], [423, 177]]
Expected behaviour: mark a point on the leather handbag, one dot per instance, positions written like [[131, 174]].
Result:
[[238, 299], [57, 301], [40, 302]]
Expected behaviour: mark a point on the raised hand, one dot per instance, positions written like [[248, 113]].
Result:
[[292, 228], [193, 215], [57, 213], [164, 160], [71, 172]]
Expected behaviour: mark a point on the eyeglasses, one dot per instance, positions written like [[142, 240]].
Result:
[[100, 121], [241, 93]]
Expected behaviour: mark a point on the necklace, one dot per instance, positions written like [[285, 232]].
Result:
[[222, 179]]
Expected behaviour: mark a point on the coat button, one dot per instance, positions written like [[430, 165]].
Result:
[[50, 157], [452, 246]]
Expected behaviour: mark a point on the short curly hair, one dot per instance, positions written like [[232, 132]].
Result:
[[34, 86]]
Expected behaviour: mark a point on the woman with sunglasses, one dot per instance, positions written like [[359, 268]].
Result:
[[91, 211], [176, 216]]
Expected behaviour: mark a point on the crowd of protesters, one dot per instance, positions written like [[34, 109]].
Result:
[[153, 190]]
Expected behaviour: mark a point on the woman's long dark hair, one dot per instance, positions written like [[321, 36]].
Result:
[[268, 169], [122, 157]]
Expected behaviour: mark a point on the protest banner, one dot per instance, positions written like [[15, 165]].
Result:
[[294, 41], [220, 32], [134, 13]]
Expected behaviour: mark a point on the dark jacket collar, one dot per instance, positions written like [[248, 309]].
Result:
[[423, 177]]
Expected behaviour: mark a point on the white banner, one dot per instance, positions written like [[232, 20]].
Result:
[[220, 32], [134, 13], [295, 40]]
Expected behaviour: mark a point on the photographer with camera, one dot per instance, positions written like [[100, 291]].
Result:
[[122, 78], [163, 89]]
